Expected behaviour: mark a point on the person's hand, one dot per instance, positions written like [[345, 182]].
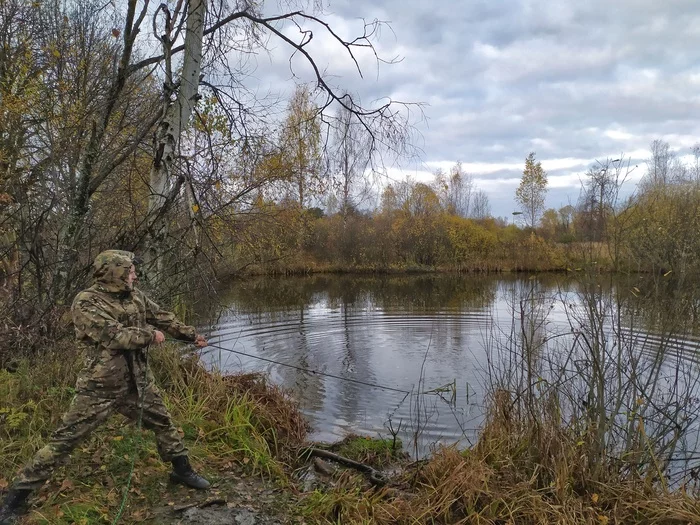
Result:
[[158, 338], [200, 341]]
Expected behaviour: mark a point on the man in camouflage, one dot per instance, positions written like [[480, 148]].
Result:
[[116, 323]]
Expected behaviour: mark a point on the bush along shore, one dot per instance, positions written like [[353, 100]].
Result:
[[249, 438]]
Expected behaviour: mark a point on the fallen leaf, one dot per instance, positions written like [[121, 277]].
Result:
[[3, 484], [66, 485], [594, 498], [140, 515]]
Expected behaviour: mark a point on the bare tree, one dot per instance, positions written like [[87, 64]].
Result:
[[481, 208], [461, 187], [601, 208], [660, 163], [165, 183], [350, 160], [84, 92], [695, 167]]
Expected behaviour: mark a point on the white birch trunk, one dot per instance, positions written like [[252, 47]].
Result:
[[164, 188]]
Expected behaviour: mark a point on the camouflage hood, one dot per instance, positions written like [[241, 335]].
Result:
[[111, 269]]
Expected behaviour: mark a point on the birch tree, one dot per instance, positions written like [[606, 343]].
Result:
[[532, 190], [102, 151], [167, 177], [455, 190], [350, 160], [242, 32], [301, 147]]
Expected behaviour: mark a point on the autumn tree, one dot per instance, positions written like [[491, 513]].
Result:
[[532, 190], [67, 75], [139, 125], [301, 147], [659, 224], [549, 223], [419, 224], [389, 200], [350, 158], [455, 190]]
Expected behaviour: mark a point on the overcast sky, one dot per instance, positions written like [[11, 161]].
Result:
[[575, 82]]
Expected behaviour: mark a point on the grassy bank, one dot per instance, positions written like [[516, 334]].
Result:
[[233, 426], [238, 426], [516, 474]]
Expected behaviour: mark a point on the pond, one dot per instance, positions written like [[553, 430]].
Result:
[[414, 354]]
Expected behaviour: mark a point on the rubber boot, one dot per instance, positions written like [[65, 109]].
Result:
[[183, 473], [14, 505]]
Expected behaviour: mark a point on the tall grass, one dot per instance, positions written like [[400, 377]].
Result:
[[228, 423], [593, 423], [621, 391]]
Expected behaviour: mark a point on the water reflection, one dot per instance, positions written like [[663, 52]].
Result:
[[413, 333]]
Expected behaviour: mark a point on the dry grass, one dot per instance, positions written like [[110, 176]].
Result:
[[239, 417], [515, 475], [518, 473], [231, 424]]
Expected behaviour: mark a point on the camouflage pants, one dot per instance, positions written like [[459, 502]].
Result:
[[84, 415]]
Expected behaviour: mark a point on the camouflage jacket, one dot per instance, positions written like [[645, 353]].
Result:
[[117, 323]]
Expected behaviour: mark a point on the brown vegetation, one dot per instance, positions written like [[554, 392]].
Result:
[[516, 473]]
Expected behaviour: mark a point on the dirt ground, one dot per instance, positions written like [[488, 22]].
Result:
[[234, 500]]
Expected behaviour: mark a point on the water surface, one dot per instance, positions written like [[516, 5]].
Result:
[[428, 335]]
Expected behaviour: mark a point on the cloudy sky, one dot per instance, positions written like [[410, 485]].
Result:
[[576, 82]]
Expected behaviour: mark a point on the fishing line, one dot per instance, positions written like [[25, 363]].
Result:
[[310, 371]]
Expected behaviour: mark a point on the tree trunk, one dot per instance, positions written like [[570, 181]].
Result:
[[165, 186]]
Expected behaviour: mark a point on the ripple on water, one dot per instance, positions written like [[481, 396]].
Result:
[[402, 345]]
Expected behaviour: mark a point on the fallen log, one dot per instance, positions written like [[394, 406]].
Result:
[[374, 476], [324, 468]]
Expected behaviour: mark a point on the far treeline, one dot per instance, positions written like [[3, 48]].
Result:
[[136, 127], [616, 224]]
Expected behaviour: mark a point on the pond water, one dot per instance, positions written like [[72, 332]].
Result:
[[428, 339]]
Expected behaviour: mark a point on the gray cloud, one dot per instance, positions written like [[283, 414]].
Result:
[[581, 80]]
